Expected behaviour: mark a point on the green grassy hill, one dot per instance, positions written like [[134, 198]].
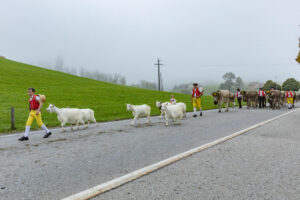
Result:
[[65, 90]]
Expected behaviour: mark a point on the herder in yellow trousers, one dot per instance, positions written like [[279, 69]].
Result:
[[35, 106], [196, 99], [289, 98]]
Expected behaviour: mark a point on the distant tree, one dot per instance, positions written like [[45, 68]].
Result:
[[229, 76], [72, 70], [229, 81], [123, 80], [148, 85], [82, 72], [59, 63], [269, 84], [239, 83], [116, 77], [291, 84]]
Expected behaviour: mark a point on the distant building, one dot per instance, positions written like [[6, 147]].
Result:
[[255, 85], [2, 56]]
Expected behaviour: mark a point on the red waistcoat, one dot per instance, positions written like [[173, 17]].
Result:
[[263, 93], [289, 94], [196, 91], [33, 103]]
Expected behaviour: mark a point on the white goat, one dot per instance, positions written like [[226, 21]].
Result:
[[160, 106], [183, 106], [140, 111], [88, 116], [67, 115], [174, 112]]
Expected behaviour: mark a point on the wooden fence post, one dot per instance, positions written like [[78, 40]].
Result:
[[12, 118]]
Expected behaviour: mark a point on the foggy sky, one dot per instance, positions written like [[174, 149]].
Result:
[[197, 40]]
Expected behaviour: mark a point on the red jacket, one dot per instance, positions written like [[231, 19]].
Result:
[[33, 103], [289, 94], [197, 92], [261, 93]]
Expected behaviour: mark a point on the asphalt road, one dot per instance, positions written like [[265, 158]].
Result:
[[67, 163], [262, 164]]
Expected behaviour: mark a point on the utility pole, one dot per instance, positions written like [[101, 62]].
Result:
[[158, 72]]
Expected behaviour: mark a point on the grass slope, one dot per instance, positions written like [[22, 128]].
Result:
[[65, 90]]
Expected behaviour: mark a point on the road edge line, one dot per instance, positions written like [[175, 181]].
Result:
[[104, 187]]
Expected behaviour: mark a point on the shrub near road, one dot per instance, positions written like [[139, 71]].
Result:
[[65, 90]]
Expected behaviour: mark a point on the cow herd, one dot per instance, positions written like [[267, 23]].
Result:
[[171, 111], [275, 98]]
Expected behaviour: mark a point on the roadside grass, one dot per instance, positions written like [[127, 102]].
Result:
[[65, 90]]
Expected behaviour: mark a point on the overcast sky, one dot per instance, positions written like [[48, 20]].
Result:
[[197, 40]]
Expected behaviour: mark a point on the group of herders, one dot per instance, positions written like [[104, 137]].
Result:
[[36, 103], [287, 96]]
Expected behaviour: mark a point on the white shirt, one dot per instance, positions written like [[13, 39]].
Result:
[[37, 98]]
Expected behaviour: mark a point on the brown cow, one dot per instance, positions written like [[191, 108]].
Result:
[[251, 97], [220, 97], [274, 98], [282, 98]]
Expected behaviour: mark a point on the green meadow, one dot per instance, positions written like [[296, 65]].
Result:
[[65, 90]]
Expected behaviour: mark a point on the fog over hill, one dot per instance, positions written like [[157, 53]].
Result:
[[198, 41]]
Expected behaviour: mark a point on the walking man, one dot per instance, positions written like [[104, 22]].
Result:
[[261, 98], [196, 99], [289, 98], [239, 97], [35, 106]]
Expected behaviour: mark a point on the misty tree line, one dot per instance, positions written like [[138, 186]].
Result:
[[96, 75], [233, 82]]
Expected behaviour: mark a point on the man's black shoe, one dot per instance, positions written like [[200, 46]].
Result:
[[195, 115], [47, 135], [23, 138], [201, 114]]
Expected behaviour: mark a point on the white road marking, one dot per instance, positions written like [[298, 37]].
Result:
[[104, 187]]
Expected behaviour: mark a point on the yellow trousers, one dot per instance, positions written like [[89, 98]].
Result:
[[290, 100], [32, 116], [197, 102]]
